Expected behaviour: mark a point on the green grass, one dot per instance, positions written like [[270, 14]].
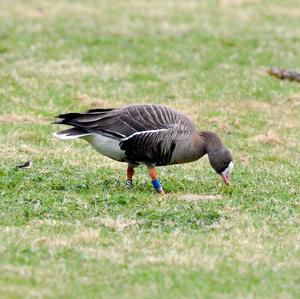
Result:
[[68, 226]]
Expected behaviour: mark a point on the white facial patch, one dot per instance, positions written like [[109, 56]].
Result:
[[228, 170]]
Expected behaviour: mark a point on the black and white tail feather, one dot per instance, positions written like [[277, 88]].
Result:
[[70, 134]]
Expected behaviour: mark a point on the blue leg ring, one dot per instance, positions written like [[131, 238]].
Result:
[[156, 184]]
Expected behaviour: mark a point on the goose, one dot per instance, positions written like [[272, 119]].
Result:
[[148, 134]]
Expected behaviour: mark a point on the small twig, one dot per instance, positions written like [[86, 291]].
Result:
[[284, 74]]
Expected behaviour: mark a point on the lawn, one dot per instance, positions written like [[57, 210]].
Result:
[[69, 228]]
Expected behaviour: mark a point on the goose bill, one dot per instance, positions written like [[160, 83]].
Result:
[[226, 173], [226, 178]]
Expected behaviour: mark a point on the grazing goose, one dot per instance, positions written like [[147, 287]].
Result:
[[154, 135]]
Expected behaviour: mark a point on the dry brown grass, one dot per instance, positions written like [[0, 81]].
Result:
[[238, 2], [199, 197], [22, 118], [269, 137], [253, 250]]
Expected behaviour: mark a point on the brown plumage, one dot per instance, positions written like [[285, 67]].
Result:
[[154, 135]]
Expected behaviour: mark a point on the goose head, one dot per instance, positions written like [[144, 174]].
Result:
[[219, 155], [220, 159]]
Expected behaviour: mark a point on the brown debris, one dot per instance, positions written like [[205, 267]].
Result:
[[284, 74]]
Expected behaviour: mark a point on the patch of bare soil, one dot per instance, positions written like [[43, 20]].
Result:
[[199, 197]]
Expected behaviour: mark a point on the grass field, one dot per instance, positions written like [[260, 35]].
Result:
[[68, 226]]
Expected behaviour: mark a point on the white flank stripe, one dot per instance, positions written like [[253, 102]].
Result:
[[144, 132]]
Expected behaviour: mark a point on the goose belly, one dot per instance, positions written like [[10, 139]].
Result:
[[106, 146]]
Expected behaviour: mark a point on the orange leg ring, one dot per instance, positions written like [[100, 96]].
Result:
[[153, 173], [130, 173]]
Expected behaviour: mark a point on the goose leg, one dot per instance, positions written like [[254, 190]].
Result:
[[130, 173], [155, 181]]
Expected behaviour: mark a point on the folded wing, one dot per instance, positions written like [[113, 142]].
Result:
[[150, 147]]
